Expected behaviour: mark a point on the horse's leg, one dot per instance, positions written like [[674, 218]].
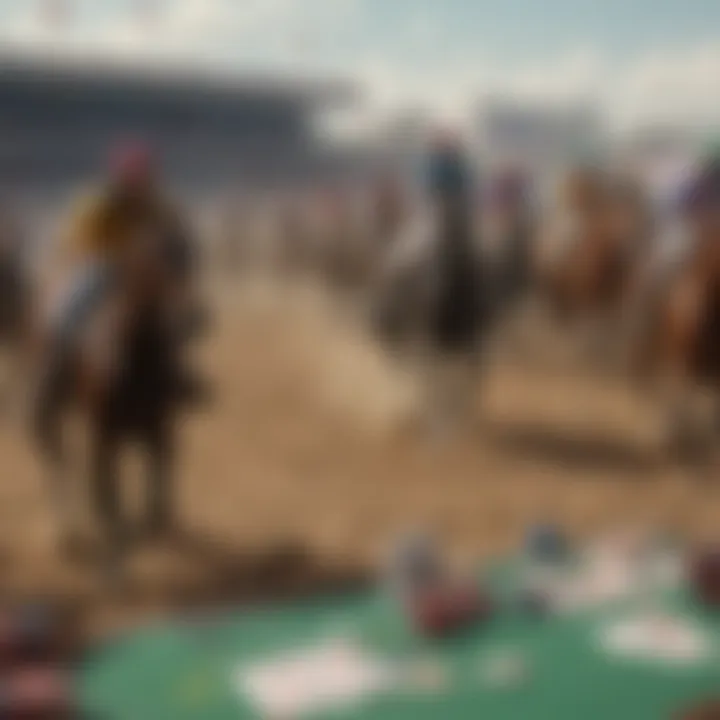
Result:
[[58, 479], [460, 402], [432, 408], [609, 341], [448, 393], [16, 396], [160, 480], [106, 498], [47, 429]]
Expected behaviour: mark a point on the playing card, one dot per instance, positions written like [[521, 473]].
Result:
[[657, 637], [329, 676]]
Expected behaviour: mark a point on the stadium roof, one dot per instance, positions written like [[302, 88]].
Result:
[[207, 82]]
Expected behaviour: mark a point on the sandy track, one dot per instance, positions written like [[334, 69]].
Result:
[[302, 470]]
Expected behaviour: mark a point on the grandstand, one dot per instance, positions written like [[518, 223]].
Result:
[[57, 120]]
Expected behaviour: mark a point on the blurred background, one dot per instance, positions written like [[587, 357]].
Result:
[[293, 137]]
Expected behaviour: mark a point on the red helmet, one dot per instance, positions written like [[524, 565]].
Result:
[[132, 163]]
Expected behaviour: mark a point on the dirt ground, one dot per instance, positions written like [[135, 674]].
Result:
[[305, 467]]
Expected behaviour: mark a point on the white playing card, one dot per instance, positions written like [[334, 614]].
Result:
[[657, 637], [331, 675]]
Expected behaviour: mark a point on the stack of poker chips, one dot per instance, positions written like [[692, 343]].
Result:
[[436, 603], [705, 576], [36, 648], [36, 693], [449, 609], [545, 547], [546, 544]]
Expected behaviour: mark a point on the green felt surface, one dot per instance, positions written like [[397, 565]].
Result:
[[177, 672]]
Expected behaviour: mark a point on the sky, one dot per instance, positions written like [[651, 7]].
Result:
[[641, 61]]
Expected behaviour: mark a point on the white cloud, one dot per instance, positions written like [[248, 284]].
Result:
[[177, 28], [675, 84], [670, 87], [577, 74]]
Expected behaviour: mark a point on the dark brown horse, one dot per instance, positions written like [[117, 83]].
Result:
[[124, 377]]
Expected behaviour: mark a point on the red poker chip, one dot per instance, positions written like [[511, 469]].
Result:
[[34, 634], [36, 694], [447, 610]]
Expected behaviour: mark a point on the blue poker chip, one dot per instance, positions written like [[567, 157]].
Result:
[[546, 543]]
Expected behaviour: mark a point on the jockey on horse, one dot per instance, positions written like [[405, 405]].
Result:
[[431, 296], [104, 230], [678, 340], [132, 272], [579, 208], [459, 302], [428, 282], [600, 232], [688, 256]]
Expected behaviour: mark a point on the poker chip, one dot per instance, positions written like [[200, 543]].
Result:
[[34, 633], [545, 542], [447, 610], [36, 694], [415, 563]]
